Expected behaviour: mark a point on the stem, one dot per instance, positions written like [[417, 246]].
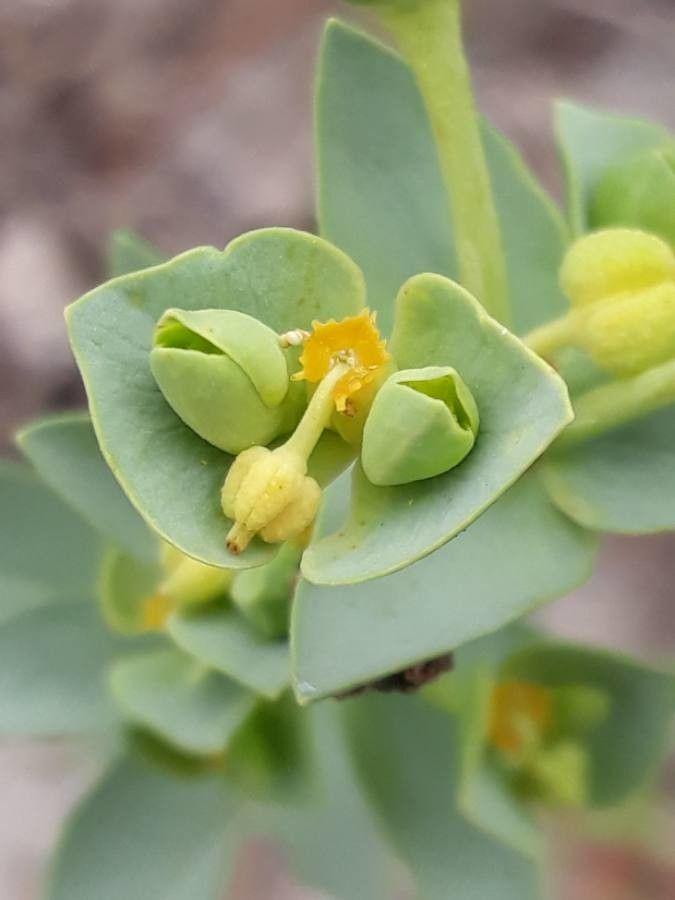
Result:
[[317, 415], [430, 37], [619, 402], [194, 582], [554, 335]]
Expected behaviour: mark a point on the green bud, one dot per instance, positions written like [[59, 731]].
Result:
[[422, 423], [225, 374], [628, 334], [639, 193]]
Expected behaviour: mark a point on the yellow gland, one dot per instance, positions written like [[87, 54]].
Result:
[[355, 341], [520, 714], [268, 492], [615, 261]]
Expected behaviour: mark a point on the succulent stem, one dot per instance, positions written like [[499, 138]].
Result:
[[429, 35]]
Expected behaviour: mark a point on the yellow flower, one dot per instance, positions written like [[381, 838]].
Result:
[[520, 713], [354, 341]]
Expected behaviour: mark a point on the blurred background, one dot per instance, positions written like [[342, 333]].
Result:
[[191, 122]]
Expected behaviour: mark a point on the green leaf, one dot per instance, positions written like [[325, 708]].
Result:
[[195, 709], [639, 193], [125, 583], [66, 455], [534, 235], [282, 277], [380, 192], [622, 481], [521, 552], [142, 834], [406, 753], [381, 195], [327, 822], [128, 252], [52, 672], [627, 746], [221, 638], [522, 404], [590, 142], [47, 553]]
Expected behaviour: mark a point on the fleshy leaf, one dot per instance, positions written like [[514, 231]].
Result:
[[521, 552], [47, 553], [125, 583], [381, 192], [188, 705], [322, 828], [622, 481], [52, 672], [129, 252], [219, 637], [282, 277], [143, 834], [626, 747], [589, 142], [64, 451], [406, 754], [522, 405]]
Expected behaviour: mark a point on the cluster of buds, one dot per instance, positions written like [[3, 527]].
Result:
[[621, 285], [537, 735]]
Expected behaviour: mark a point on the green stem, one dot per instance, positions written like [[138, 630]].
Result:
[[317, 415], [554, 335], [619, 402], [429, 34], [194, 582]]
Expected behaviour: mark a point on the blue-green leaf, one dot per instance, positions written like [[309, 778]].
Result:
[[194, 708], [406, 753], [52, 672], [589, 143], [221, 638], [143, 834], [47, 553], [65, 453], [521, 552], [622, 481]]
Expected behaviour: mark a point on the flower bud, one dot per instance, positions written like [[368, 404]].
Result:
[[632, 333], [639, 193], [604, 264], [225, 374], [268, 492], [422, 422]]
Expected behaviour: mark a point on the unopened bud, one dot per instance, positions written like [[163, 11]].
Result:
[[268, 492], [616, 261]]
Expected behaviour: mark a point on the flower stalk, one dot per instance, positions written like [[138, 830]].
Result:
[[429, 35]]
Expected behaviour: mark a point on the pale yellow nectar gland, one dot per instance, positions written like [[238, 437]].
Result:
[[268, 492]]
